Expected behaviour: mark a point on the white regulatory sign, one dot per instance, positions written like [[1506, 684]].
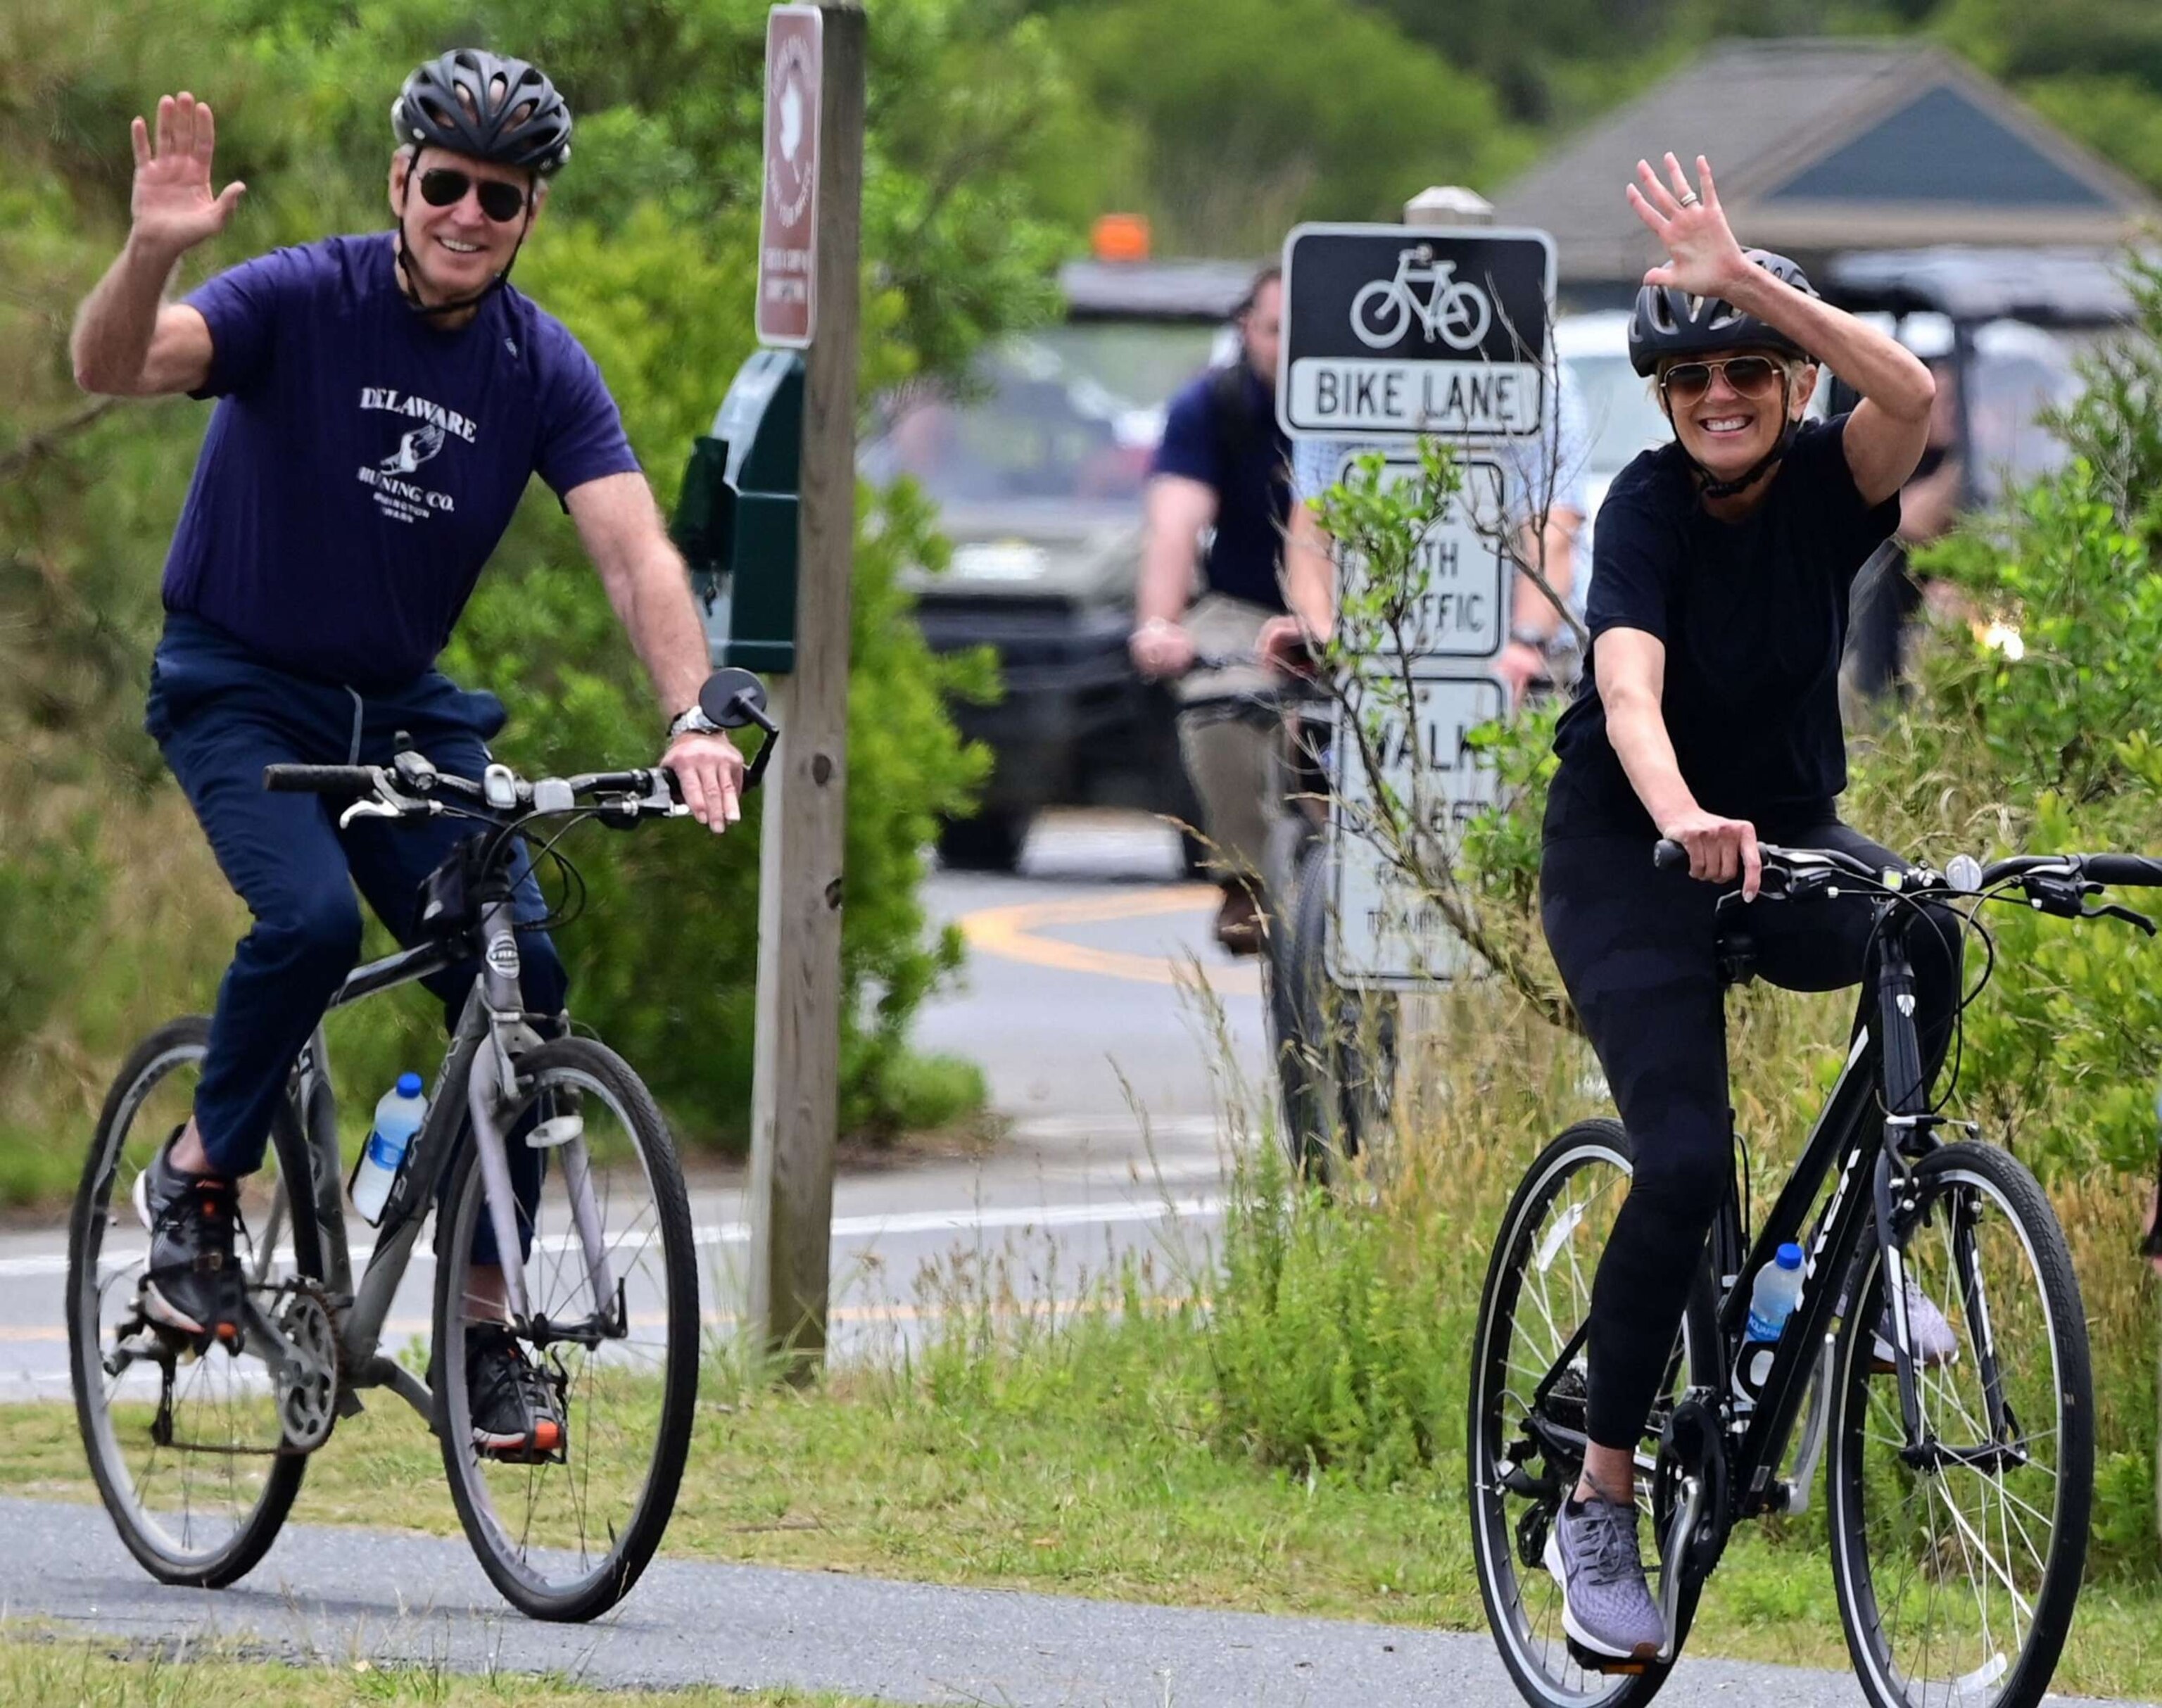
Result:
[[1464, 612], [1385, 932]]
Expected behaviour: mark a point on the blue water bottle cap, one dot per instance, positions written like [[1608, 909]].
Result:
[[408, 1084], [1790, 1257]]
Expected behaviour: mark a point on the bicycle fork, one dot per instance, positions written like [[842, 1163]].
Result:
[[491, 1094]]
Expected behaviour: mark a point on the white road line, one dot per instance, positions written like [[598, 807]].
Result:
[[975, 1218]]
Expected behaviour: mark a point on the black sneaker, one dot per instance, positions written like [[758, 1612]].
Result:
[[515, 1412], [191, 1283]]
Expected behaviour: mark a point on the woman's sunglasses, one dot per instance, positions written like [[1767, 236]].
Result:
[[445, 187], [1686, 383]]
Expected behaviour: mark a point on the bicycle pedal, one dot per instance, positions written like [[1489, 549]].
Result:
[[1612, 1666]]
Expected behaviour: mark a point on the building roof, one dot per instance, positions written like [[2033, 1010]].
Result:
[[1821, 147], [2050, 286]]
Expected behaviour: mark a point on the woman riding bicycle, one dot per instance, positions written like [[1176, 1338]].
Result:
[[1718, 609]]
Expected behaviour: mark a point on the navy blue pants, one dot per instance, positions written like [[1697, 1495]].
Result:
[[221, 715]]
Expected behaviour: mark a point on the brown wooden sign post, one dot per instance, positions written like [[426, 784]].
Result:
[[809, 244]]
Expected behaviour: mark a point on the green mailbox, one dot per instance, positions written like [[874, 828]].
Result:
[[736, 519]]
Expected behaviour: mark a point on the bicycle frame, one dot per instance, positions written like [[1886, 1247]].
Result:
[[478, 1087]]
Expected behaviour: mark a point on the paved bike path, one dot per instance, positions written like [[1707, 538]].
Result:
[[346, 1595]]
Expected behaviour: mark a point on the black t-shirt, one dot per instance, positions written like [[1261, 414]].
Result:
[[1753, 615], [1221, 429]]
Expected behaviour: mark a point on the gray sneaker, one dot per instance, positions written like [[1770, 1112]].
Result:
[[1606, 1605], [1928, 1333]]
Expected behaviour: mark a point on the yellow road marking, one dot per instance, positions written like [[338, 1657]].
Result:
[[1011, 931]]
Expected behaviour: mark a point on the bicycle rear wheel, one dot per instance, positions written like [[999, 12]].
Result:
[[185, 1447], [1538, 1296], [1956, 1575], [565, 1538]]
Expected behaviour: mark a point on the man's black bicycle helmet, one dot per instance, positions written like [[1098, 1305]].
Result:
[[1670, 322], [474, 102]]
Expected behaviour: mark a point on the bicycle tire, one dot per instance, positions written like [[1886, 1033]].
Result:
[[1949, 1182], [1336, 1058], [1532, 1644], [515, 1567], [177, 1043], [1301, 1123]]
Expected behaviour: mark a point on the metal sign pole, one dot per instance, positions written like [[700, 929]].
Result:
[[794, 1091]]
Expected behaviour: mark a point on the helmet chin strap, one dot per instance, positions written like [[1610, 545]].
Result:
[[1714, 487], [430, 311]]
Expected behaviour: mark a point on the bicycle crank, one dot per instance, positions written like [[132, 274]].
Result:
[[307, 1377], [1690, 1507]]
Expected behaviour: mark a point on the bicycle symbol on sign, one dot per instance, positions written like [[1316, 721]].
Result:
[[1456, 311]]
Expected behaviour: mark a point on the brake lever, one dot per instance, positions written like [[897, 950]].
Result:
[[2114, 910]]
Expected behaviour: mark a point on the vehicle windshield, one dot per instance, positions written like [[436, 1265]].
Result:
[[1068, 415], [1619, 413]]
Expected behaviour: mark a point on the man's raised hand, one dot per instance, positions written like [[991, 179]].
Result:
[[173, 207]]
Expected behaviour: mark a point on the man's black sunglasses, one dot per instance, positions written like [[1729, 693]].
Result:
[[444, 186]]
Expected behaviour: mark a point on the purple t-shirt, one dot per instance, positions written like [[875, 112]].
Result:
[[363, 463]]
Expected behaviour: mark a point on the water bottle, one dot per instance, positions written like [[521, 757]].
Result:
[[398, 1115], [1771, 1300]]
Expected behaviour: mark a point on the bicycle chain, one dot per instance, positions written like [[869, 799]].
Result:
[[317, 1421]]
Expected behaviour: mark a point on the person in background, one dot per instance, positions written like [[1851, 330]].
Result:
[[1219, 494]]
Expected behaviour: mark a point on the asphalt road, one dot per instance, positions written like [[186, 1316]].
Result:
[[345, 1595]]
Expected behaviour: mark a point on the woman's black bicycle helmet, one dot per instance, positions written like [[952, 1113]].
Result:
[[1670, 322], [474, 102]]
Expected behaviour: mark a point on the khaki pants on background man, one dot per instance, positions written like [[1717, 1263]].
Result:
[[1231, 761]]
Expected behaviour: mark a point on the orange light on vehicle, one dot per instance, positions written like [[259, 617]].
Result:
[[1120, 237]]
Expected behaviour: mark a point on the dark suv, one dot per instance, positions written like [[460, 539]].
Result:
[[1038, 470]]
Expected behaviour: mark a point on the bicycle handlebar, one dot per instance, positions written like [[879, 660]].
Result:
[[321, 780], [2124, 871]]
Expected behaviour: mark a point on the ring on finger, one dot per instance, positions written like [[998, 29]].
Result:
[[1689, 198]]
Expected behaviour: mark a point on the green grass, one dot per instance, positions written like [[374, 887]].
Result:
[[38, 1666]]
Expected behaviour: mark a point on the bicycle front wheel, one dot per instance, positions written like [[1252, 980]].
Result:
[[1957, 1556], [566, 1537], [1529, 1392]]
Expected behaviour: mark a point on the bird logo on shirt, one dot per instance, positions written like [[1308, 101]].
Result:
[[416, 448]]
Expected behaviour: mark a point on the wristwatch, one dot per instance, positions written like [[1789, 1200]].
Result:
[[693, 722], [1531, 638]]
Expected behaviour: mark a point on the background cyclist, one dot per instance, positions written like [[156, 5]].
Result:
[[1717, 609], [1219, 490], [384, 401]]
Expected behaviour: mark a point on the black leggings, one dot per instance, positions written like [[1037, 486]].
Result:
[[1636, 949]]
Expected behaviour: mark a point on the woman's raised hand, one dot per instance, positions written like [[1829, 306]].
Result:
[[173, 207], [1705, 259]]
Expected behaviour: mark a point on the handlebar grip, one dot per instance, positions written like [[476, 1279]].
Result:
[[319, 780], [1666, 854], [2130, 871]]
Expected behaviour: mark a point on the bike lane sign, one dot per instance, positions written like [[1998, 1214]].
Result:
[[1396, 331], [1386, 931]]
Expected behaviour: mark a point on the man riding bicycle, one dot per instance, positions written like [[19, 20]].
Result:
[[384, 399], [1717, 609]]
